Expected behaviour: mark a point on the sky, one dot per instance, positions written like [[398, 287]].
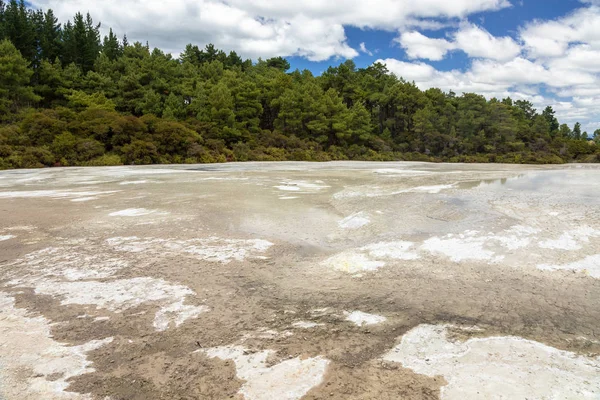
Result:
[[544, 51]]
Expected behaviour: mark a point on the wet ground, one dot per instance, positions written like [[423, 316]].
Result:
[[298, 280]]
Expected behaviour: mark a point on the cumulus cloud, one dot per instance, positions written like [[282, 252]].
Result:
[[520, 79], [419, 46], [553, 38], [550, 62], [307, 28], [475, 41]]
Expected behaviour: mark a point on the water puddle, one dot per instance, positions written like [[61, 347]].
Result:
[[579, 185]]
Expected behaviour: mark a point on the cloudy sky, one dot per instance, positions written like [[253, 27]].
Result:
[[546, 51]]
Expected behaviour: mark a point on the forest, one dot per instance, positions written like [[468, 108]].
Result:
[[71, 97]]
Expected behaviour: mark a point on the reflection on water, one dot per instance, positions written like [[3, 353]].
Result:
[[487, 182], [578, 183]]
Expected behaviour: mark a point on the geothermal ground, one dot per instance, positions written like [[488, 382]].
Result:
[[292, 281]]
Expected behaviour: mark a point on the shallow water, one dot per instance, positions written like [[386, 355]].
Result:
[[581, 185], [217, 281]]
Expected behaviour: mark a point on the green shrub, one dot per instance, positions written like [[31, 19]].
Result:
[[105, 160]]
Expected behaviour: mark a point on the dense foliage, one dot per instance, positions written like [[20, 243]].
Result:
[[68, 97]]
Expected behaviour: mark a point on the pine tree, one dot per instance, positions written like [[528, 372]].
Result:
[[111, 46], [2, 20], [174, 108], [278, 62], [233, 60], [192, 54], [577, 131], [210, 53], [564, 131], [50, 37], [19, 29], [548, 113], [74, 39], [92, 43], [15, 89], [81, 42]]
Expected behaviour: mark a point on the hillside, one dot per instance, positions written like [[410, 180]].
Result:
[[70, 97]]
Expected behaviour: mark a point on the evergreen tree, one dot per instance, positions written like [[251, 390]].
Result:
[[192, 54], [233, 60], [15, 89], [50, 37], [111, 47], [577, 131], [565, 131], [81, 42], [2, 20], [278, 62], [210, 53], [548, 113], [92, 46], [19, 28], [527, 108]]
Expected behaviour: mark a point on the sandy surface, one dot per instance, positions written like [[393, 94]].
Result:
[[293, 280]]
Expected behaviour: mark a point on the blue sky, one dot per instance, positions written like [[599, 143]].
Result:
[[502, 22], [544, 51]]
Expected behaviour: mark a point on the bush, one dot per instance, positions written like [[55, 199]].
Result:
[[105, 160], [140, 152]]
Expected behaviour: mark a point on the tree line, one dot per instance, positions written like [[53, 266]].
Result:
[[70, 97]]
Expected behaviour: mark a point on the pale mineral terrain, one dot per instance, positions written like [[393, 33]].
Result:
[[269, 281]]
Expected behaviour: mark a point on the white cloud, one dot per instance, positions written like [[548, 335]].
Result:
[[581, 57], [266, 28], [553, 62], [419, 46], [521, 79], [552, 38], [363, 48], [476, 42]]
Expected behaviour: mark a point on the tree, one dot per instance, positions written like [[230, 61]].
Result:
[[279, 63], [192, 54], [19, 29], [527, 108], [553, 124], [50, 37], [15, 89], [211, 54], [565, 131], [577, 131], [233, 60], [247, 106], [92, 43], [81, 101], [358, 124], [174, 107], [81, 42], [2, 20], [111, 47]]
